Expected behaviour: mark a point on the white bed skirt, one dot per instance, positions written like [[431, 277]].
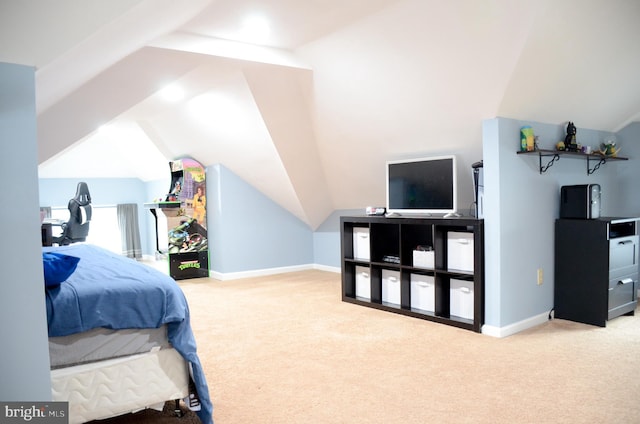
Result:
[[118, 386]]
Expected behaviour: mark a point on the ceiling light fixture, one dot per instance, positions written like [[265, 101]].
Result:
[[106, 129], [172, 93], [255, 29]]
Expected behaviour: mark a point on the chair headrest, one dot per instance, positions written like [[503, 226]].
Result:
[[82, 197]]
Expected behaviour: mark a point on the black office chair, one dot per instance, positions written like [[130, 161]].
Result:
[[77, 228]]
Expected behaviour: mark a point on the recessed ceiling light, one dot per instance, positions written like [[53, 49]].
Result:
[[255, 29], [106, 129], [172, 93]]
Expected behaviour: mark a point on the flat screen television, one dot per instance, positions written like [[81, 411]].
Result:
[[422, 186]]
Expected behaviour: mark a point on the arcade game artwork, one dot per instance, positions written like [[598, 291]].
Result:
[[187, 220]]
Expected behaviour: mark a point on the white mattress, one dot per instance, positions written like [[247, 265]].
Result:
[[113, 387], [102, 343]]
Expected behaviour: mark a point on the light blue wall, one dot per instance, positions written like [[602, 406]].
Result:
[[629, 185], [24, 352], [326, 239], [248, 231], [522, 206]]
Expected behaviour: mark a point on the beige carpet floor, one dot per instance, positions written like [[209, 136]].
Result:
[[285, 349]]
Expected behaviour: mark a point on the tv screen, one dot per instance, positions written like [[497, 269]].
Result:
[[422, 186]]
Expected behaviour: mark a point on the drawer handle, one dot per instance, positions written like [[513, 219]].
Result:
[[465, 289], [363, 235], [423, 284], [365, 274], [463, 241], [625, 242], [393, 280], [625, 281]]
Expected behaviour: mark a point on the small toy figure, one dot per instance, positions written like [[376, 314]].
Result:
[[527, 139], [570, 143], [609, 148]]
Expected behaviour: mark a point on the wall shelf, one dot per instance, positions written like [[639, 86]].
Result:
[[598, 158]]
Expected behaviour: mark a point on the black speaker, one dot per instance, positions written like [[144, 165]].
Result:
[[478, 188]]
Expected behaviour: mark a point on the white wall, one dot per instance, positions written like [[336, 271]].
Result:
[[24, 355], [521, 208]]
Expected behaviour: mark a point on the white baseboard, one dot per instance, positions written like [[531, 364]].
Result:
[[516, 327], [223, 276], [327, 268]]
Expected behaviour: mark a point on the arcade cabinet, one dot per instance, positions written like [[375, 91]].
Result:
[[185, 207]]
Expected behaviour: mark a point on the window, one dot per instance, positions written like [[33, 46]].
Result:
[[104, 230]]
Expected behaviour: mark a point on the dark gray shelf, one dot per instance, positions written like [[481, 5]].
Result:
[[598, 158]]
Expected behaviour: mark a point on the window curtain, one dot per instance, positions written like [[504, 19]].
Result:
[[129, 230]]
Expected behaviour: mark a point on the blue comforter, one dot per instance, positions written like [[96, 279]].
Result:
[[111, 291]]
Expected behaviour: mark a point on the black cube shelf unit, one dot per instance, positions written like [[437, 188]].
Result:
[[428, 268]]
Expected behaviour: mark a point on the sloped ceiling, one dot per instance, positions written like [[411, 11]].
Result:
[[309, 114]]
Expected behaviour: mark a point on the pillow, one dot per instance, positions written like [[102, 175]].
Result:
[[57, 268]]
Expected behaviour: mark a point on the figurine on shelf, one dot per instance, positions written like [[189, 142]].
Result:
[[609, 148], [570, 143], [527, 139]]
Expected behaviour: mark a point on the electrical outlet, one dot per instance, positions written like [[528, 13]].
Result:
[[540, 276]]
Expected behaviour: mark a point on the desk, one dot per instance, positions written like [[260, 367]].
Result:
[[153, 206], [47, 230]]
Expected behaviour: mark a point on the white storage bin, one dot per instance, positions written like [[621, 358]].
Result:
[[423, 292], [361, 243], [461, 298], [363, 283], [460, 251], [391, 287], [423, 259]]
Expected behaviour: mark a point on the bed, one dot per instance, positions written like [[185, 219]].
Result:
[[120, 337]]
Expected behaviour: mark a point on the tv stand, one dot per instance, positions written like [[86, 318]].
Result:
[[429, 268]]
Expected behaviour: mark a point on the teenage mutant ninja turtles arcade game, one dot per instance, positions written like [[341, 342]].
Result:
[[187, 225]]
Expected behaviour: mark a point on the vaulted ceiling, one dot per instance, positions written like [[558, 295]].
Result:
[[309, 112]]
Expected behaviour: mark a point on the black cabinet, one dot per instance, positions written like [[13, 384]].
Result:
[[429, 268], [596, 269]]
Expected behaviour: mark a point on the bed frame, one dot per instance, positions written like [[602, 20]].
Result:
[[118, 386]]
